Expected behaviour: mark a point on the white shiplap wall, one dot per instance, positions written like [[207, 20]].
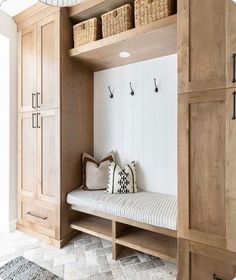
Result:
[[142, 127]]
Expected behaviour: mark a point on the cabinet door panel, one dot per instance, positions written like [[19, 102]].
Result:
[[197, 261], [202, 167], [49, 62], [49, 156], [28, 154], [231, 46], [27, 69], [202, 45]]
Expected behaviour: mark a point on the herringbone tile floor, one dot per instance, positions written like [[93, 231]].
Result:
[[85, 257]]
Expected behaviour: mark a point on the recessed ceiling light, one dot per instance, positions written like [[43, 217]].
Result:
[[124, 54]]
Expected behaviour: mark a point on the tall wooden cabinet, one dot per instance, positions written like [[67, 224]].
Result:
[[207, 135], [206, 45], [54, 92]]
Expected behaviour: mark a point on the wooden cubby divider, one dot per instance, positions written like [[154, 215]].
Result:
[[122, 234]]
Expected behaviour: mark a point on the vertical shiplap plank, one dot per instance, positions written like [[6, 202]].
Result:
[[142, 127], [148, 128], [138, 123], [171, 131]]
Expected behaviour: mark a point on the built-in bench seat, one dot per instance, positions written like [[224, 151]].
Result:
[[150, 208], [142, 218]]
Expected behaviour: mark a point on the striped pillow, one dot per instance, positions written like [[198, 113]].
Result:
[[122, 180]]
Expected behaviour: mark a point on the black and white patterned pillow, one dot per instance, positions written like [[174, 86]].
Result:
[[122, 180]]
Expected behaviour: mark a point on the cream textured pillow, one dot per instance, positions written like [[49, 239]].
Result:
[[95, 175], [122, 180]]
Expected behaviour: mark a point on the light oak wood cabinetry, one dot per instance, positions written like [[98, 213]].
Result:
[[197, 261], [206, 44], [54, 92], [206, 139], [206, 168]]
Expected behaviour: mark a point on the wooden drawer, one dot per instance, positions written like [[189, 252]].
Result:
[[38, 216], [197, 261]]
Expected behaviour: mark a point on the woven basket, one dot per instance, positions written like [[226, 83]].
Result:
[[147, 11], [86, 32], [117, 21]]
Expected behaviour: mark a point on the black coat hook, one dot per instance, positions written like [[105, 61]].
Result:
[[132, 91], [111, 94], [155, 83]]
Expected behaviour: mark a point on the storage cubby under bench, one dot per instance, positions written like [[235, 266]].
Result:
[[142, 221]]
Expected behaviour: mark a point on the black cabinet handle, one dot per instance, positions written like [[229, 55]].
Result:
[[37, 100], [234, 106], [234, 68], [33, 98], [36, 216], [33, 120], [215, 277], [38, 114]]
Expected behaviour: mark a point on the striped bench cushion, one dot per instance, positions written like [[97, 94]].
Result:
[[146, 207]]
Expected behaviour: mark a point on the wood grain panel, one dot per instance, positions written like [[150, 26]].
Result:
[[27, 155], [231, 174], [27, 68], [197, 261], [207, 167], [49, 156], [207, 40], [49, 62], [201, 43], [203, 268], [231, 41]]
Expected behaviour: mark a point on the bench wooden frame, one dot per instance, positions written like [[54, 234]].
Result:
[[156, 241]]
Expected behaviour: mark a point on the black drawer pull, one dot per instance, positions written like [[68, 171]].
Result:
[[33, 120], [36, 216], [38, 114], [33, 98], [234, 106], [234, 68], [37, 103], [215, 277]]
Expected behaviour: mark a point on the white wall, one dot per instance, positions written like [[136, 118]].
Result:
[[8, 123], [142, 127]]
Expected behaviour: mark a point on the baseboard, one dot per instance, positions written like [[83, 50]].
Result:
[[8, 227], [57, 243], [12, 225]]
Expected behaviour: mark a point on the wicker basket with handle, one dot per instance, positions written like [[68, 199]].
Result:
[[147, 11], [86, 32], [117, 21]]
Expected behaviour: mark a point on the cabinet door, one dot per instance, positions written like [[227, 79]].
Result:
[[202, 167], [231, 170], [231, 44], [197, 261], [202, 44], [28, 154], [27, 57], [48, 31], [49, 156]]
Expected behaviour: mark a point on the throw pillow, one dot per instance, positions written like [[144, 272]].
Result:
[[95, 174], [122, 180]]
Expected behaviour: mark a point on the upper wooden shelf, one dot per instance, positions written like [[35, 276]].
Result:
[[146, 42], [94, 8]]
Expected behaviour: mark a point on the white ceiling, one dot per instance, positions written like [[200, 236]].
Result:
[[14, 7]]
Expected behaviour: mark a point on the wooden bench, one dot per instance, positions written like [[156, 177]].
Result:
[[121, 231]]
